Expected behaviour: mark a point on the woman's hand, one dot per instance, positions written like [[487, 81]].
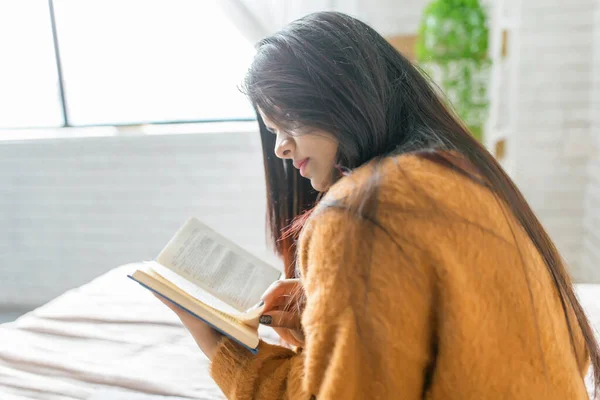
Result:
[[284, 303], [206, 337]]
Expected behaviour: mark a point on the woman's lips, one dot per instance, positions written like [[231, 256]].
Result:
[[302, 166]]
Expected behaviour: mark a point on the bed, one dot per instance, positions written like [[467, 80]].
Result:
[[110, 339]]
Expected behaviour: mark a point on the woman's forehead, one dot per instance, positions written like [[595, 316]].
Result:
[[268, 121]]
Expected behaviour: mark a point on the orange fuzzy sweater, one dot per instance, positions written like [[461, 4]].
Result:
[[441, 299]]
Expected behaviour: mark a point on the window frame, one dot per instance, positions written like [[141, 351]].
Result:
[[63, 100]]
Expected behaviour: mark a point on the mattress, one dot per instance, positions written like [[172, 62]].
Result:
[[109, 339]]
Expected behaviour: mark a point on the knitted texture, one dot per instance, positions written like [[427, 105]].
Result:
[[441, 296]]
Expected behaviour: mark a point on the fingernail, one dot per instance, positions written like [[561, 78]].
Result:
[[265, 319]]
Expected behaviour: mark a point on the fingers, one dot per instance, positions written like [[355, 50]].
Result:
[[186, 318], [291, 336], [282, 287], [166, 302], [177, 310], [281, 319], [282, 292], [283, 302]]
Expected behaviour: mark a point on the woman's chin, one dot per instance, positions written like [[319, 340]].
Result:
[[316, 185], [319, 186]]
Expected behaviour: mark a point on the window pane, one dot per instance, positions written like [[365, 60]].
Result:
[[29, 95], [151, 60]]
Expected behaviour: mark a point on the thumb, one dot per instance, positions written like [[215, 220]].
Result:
[[281, 319]]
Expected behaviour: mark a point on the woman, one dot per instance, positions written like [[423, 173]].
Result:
[[421, 272]]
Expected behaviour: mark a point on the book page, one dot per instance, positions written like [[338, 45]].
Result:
[[217, 265], [197, 292]]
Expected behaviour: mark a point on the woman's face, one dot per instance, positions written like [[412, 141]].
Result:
[[313, 152]]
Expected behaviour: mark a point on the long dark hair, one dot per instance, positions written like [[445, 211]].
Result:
[[333, 72]]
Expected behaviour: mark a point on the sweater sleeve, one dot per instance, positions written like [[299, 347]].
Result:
[[350, 350]]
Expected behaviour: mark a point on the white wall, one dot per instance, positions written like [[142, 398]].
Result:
[[591, 224], [72, 209], [553, 128]]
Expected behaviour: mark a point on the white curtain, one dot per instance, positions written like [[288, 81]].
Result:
[[259, 18]]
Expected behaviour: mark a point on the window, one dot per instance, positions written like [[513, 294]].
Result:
[[122, 62], [29, 92]]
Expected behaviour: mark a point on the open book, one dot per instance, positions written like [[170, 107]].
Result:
[[211, 278]]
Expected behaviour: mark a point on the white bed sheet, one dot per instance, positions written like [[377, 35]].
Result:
[[111, 339]]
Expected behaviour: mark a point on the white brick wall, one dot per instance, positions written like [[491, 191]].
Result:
[[71, 209], [591, 240], [552, 135]]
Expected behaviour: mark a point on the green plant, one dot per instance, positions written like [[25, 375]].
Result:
[[452, 47]]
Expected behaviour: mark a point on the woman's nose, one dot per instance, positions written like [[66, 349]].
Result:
[[284, 147]]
